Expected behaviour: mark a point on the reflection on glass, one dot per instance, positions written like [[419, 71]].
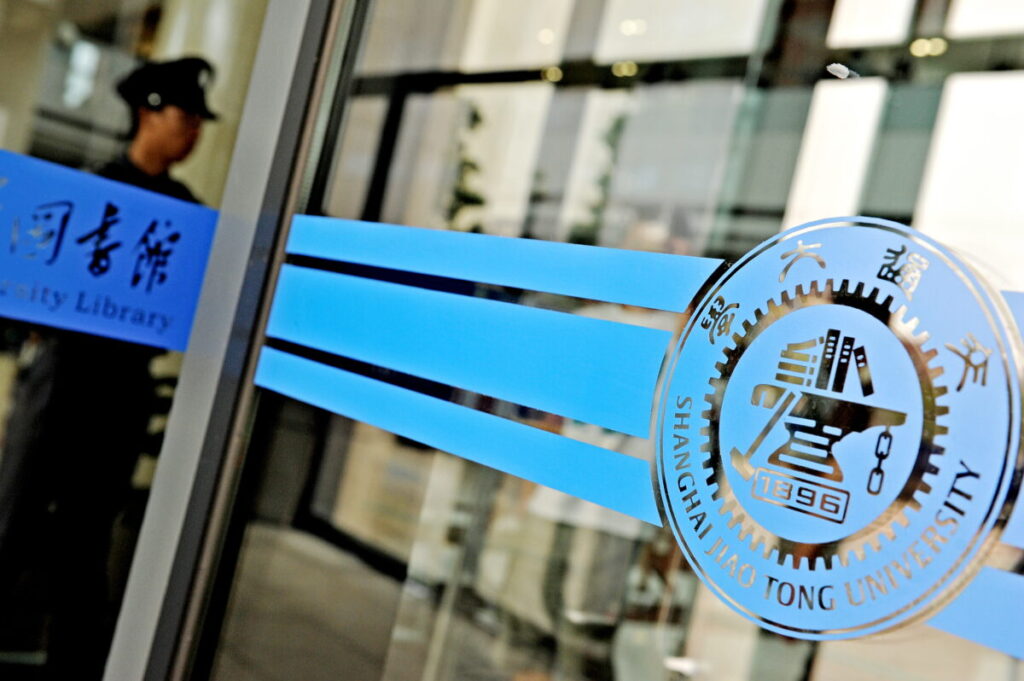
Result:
[[663, 30], [83, 416], [973, 170], [836, 149], [984, 18], [856, 23], [683, 127]]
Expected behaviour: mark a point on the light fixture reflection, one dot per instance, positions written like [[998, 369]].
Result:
[[625, 69], [552, 74], [633, 27], [929, 47], [920, 47]]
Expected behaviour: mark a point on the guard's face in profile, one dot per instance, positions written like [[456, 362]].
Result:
[[177, 129]]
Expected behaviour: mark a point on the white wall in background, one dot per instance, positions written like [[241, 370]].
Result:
[[467, 35], [651, 30], [591, 158], [515, 35], [355, 156], [421, 174], [972, 195], [837, 148], [672, 158], [413, 36], [505, 146], [983, 18], [869, 23]]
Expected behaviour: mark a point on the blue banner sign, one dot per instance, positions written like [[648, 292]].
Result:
[[85, 253], [837, 441]]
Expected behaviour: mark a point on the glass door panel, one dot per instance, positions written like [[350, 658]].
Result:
[[691, 129]]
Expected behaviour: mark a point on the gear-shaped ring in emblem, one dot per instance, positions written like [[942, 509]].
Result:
[[885, 524]]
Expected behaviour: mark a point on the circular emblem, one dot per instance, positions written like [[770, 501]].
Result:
[[839, 429]]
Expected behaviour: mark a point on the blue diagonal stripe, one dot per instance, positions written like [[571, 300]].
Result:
[[613, 480], [592, 370], [653, 280], [988, 611]]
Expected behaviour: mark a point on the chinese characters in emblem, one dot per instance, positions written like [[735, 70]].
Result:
[[716, 321], [975, 358], [906, 274]]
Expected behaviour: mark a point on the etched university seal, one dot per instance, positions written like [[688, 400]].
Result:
[[839, 429]]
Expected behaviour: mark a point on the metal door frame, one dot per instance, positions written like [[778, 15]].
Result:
[[297, 65]]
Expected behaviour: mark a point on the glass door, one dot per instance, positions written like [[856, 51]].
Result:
[[372, 541]]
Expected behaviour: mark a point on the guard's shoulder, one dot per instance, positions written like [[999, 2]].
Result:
[[180, 191], [116, 169]]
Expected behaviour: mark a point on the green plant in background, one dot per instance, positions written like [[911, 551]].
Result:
[[463, 195], [587, 232]]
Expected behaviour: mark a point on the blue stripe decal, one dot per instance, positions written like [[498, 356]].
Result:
[[88, 254], [592, 370], [653, 280], [616, 481], [1013, 533], [988, 611]]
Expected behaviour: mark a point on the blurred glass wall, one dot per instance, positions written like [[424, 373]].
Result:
[[679, 126]]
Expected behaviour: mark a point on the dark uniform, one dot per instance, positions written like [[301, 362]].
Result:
[[82, 406], [123, 170]]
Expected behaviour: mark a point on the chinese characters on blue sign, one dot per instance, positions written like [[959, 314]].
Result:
[[88, 254]]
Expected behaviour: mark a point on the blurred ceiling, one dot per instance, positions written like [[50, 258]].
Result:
[[91, 15]]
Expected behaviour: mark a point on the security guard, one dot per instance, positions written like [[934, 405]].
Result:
[[168, 106], [82, 410]]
